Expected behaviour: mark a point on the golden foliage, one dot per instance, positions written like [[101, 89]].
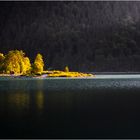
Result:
[[2, 57], [66, 69], [67, 74], [38, 64], [15, 62], [26, 66]]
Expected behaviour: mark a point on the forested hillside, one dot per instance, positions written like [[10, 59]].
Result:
[[86, 36]]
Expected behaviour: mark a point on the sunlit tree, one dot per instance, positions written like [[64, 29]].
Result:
[[38, 64], [27, 64], [2, 57], [66, 69], [16, 62]]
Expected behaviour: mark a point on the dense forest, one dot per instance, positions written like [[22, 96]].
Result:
[[86, 36]]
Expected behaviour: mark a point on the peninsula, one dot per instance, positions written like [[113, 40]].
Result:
[[15, 63]]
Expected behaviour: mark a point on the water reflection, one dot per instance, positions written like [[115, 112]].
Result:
[[18, 101], [39, 84], [40, 100], [21, 102], [87, 111]]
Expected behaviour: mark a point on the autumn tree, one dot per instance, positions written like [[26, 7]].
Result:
[[38, 64], [2, 57], [25, 66], [16, 62], [66, 69]]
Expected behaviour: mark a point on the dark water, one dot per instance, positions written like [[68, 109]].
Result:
[[70, 108]]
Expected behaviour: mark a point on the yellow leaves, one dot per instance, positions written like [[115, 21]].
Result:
[[26, 66], [15, 62], [38, 64], [67, 74], [66, 69], [1, 57]]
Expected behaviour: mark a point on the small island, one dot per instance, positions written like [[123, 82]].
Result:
[[15, 63]]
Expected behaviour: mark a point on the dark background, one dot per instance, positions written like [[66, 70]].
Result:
[[86, 36]]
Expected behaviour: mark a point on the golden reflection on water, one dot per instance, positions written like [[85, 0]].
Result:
[[19, 100], [39, 95], [22, 101], [40, 100]]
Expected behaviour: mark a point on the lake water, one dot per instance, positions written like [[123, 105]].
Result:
[[107, 106]]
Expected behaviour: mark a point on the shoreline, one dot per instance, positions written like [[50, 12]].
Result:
[[53, 74]]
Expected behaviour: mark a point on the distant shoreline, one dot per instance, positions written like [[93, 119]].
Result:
[[95, 73]]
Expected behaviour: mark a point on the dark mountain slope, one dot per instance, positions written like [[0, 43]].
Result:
[[86, 36]]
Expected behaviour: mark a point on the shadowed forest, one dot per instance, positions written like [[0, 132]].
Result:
[[86, 36]]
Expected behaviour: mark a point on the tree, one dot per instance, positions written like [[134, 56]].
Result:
[[2, 57], [66, 69], [38, 64], [25, 65], [15, 62]]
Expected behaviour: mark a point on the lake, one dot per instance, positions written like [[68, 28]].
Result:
[[107, 106]]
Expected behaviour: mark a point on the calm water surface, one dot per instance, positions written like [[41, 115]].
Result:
[[105, 107]]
